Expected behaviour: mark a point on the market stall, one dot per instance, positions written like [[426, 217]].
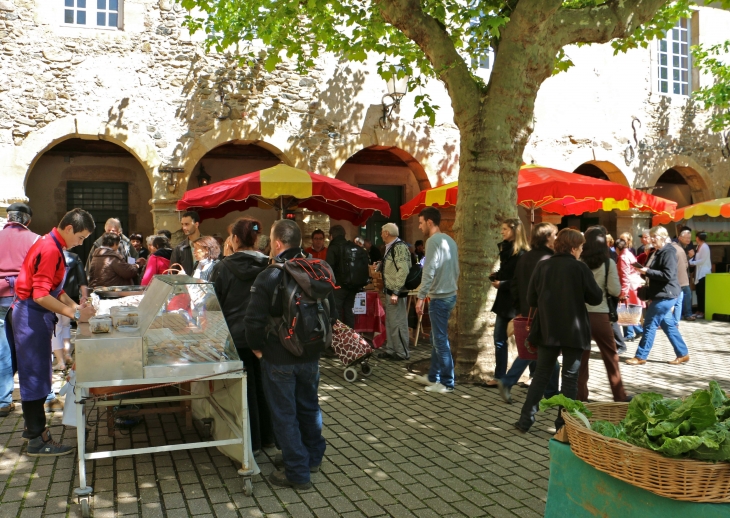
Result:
[[177, 336]]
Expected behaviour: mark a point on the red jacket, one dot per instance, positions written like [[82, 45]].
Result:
[[15, 241], [156, 265], [43, 268], [630, 279]]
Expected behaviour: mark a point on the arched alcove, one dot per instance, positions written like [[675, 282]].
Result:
[[95, 175]]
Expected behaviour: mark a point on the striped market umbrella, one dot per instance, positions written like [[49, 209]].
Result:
[[713, 208], [284, 188], [557, 192]]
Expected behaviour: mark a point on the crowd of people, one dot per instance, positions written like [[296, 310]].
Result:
[[568, 283], [571, 286]]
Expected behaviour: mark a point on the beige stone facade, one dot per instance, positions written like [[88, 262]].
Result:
[[149, 89]]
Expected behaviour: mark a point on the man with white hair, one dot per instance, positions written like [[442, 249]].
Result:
[[114, 226], [395, 267]]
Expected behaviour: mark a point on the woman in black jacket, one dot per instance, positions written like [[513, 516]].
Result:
[[560, 288], [512, 247], [233, 277], [665, 294]]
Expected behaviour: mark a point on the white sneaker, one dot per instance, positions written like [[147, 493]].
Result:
[[439, 388], [423, 380]]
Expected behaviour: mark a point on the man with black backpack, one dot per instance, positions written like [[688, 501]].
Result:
[[350, 265], [289, 323], [396, 266]]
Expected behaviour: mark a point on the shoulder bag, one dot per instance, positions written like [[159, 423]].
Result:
[[610, 299]]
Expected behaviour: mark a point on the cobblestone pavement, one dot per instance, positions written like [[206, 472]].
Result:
[[393, 450]]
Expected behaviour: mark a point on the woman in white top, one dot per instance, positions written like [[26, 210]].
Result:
[[703, 265]]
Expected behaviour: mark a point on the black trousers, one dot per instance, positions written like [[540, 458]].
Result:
[[546, 358], [345, 301], [262, 428], [34, 414], [700, 288]]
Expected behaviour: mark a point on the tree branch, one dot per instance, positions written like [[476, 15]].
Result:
[[434, 41], [603, 23]]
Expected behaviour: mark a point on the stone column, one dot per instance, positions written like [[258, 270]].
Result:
[[632, 221], [164, 215]]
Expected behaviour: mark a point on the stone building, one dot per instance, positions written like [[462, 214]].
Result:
[[118, 110]]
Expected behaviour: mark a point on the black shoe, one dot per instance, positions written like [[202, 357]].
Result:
[[278, 478], [519, 428], [44, 446], [279, 464]]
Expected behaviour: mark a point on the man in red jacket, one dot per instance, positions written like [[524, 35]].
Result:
[[39, 296]]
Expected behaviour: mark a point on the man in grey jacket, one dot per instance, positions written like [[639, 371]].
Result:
[[438, 283], [396, 265]]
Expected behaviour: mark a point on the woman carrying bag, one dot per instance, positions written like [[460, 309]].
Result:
[[596, 256], [630, 281], [512, 247], [560, 288]]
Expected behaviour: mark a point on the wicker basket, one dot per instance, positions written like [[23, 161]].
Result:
[[681, 479]]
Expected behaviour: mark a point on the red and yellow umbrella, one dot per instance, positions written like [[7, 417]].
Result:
[[284, 188], [713, 208], [555, 191]]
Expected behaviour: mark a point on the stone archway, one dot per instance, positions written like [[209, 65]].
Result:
[[395, 175], [603, 170], [681, 171]]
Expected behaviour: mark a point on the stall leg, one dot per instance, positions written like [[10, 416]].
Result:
[[83, 491], [188, 405], [246, 469]]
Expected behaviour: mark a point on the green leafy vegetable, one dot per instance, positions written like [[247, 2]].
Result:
[[569, 404]]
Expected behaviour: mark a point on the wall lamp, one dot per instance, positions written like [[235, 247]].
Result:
[[203, 177], [397, 88], [173, 175]]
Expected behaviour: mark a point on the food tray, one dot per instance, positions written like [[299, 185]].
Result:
[[680, 479], [116, 292]]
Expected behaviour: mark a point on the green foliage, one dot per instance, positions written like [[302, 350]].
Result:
[[715, 60], [301, 30]]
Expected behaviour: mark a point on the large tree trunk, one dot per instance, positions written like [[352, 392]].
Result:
[[492, 143]]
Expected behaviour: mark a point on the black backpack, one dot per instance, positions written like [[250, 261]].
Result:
[[354, 271], [305, 327], [413, 279]]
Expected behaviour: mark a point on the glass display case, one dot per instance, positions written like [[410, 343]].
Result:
[[181, 332]]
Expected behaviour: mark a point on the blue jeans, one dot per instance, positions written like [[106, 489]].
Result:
[[6, 362], [518, 367], [442, 363], [291, 391], [686, 301], [632, 331], [659, 314], [500, 346]]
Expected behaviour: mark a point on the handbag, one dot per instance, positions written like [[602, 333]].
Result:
[[643, 292], [610, 299], [522, 325], [629, 315]]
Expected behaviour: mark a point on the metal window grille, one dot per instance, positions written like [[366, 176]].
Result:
[[98, 196], [674, 60]]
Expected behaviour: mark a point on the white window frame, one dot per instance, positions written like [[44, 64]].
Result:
[[92, 12], [673, 58]]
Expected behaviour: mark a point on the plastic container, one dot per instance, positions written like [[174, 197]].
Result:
[[102, 324], [124, 316]]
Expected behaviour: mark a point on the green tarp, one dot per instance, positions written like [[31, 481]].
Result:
[[578, 490]]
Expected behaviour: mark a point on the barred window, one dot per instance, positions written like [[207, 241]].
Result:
[[674, 61]]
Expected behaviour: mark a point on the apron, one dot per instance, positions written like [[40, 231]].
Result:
[[29, 335]]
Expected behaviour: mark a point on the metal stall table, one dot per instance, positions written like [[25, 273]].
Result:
[[177, 335]]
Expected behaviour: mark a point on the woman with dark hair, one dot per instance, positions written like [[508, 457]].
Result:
[[513, 245], [159, 260], [560, 288], [206, 251], [630, 282], [542, 242], [596, 255], [107, 266], [233, 277]]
